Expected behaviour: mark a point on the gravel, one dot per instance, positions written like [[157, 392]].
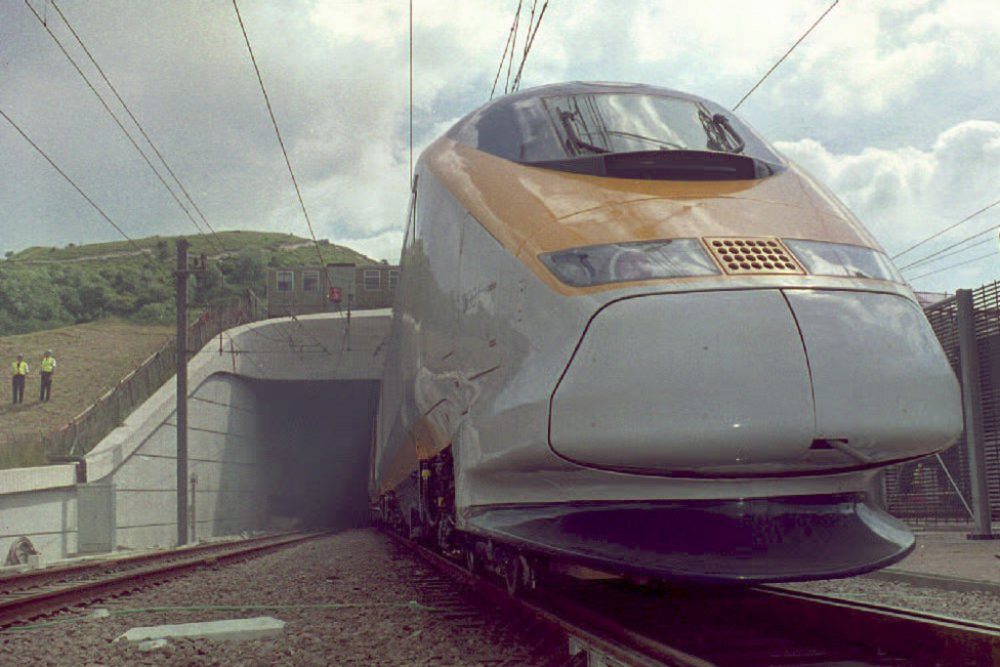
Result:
[[982, 606], [393, 611], [396, 613]]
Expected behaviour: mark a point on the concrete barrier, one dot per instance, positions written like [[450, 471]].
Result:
[[129, 498]]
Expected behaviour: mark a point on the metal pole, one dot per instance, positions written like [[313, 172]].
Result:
[[972, 406], [182, 392], [194, 511]]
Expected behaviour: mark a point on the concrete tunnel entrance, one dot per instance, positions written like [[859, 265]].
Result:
[[316, 444]]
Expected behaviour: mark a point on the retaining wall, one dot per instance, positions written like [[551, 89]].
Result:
[[129, 498]]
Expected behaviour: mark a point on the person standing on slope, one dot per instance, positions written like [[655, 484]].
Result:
[[48, 366], [19, 371]]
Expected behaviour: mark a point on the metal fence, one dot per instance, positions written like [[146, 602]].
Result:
[[939, 489], [91, 426]]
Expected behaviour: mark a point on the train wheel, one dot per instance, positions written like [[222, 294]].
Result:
[[472, 563], [512, 575], [529, 574], [518, 575], [415, 529], [445, 535]]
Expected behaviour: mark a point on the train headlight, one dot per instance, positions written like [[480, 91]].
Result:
[[839, 259], [622, 262]]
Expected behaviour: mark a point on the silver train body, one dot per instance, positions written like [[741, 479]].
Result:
[[682, 417]]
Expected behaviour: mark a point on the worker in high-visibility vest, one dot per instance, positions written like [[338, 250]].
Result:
[[19, 371], [48, 366]]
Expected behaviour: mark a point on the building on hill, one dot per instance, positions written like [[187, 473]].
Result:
[[312, 289]]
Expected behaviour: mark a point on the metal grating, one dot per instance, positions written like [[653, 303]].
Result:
[[986, 301], [752, 256], [937, 489]]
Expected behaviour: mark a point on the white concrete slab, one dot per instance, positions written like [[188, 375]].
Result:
[[19, 480], [234, 629], [152, 645]]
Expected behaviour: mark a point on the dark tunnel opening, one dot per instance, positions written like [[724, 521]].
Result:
[[317, 441]]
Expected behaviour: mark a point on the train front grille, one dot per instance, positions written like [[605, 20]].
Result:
[[752, 255]]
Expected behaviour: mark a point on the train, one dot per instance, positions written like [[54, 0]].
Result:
[[631, 337]]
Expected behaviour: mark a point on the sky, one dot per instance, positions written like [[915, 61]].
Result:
[[894, 104]]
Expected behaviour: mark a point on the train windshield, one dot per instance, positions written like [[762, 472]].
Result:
[[628, 123], [588, 132]]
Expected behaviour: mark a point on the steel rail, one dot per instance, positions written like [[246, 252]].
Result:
[[29, 602], [16, 580], [581, 626], [932, 637], [773, 623]]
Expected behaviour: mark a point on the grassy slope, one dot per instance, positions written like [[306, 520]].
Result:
[[231, 241], [92, 358]]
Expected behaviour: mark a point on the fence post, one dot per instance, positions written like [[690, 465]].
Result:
[[182, 393], [972, 408]]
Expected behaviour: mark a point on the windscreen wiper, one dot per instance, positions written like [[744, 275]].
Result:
[[722, 121], [575, 142]]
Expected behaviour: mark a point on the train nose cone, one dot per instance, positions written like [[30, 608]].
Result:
[[697, 382], [881, 381], [754, 382]]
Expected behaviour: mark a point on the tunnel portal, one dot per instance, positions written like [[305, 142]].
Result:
[[315, 449]]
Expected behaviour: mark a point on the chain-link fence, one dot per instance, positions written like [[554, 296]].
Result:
[[91, 426], [938, 489]]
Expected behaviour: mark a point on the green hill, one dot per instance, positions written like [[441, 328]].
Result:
[[45, 288]]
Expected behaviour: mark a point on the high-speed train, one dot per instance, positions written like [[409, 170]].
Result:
[[631, 336]]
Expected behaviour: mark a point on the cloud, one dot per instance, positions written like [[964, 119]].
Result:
[[885, 76], [385, 246], [906, 194]]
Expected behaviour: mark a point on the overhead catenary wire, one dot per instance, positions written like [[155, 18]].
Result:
[[955, 265], [281, 142], [513, 43], [948, 254], [945, 249], [139, 126], [69, 180], [114, 117], [530, 40], [507, 47], [787, 53], [315, 339], [946, 229]]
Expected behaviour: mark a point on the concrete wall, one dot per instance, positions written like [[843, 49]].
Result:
[[235, 433], [47, 517], [224, 443]]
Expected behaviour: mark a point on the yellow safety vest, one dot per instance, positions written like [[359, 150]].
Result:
[[19, 368], [48, 364]]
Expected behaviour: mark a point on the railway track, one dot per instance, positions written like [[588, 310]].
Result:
[[619, 624], [27, 595]]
